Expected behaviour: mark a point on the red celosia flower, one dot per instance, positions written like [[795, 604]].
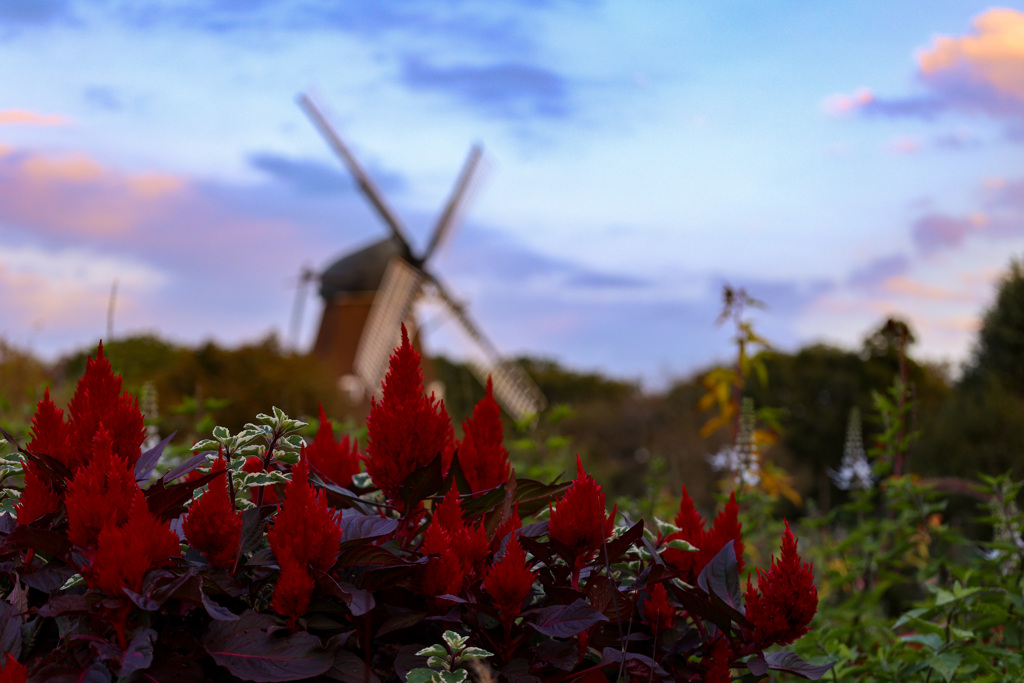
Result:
[[407, 429], [98, 399], [50, 434], [452, 539], [659, 613], [444, 574], [305, 530], [719, 658], [511, 524], [253, 464], [100, 494], [335, 461], [785, 600], [482, 454], [293, 589], [579, 520], [125, 553], [212, 525], [37, 498], [13, 671], [708, 542], [509, 581]]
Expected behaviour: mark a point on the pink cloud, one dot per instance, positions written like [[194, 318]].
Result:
[[841, 104], [21, 117], [905, 286], [905, 145], [984, 70], [74, 195]]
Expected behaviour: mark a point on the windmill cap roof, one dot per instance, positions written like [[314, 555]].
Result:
[[362, 270]]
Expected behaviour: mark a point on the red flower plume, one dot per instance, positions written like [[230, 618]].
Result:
[[407, 429], [785, 600], [293, 589], [708, 542], [719, 660], [305, 530], [98, 399], [125, 553], [13, 671], [578, 520], [212, 525], [510, 581], [50, 434], [659, 613], [37, 498], [101, 493], [482, 454], [335, 461], [462, 550]]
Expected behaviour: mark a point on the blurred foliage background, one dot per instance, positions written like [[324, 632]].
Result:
[[641, 445]]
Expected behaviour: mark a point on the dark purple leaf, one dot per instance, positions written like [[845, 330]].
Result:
[[10, 629], [186, 467], [253, 526], [55, 472], [41, 540], [338, 494], [348, 667], [10, 439], [62, 604], [169, 503], [139, 654], [500, 514], [356, 528], [561, 654], [422, 483], [636, 664], [216, 610], [49, 577], [147, 461], [534, 495], [720, 578], [565, 621], [368, 554], [400, 621], [7, 523], [246, 650], [791, 662], [358, 600], [614, 549], [757, 664]]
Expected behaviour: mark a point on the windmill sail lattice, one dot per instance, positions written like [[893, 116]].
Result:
[[369, 293]]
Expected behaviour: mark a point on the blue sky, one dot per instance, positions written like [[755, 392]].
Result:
[[841, 161]]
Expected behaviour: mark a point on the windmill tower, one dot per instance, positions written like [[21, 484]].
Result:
[[369, 293]]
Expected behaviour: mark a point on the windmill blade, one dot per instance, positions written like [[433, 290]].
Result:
[[306, 276], [465, 187], [513, 388], [365, 184], [391, 306]]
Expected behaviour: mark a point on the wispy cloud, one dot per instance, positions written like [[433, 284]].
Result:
[[509, 90], [979, 73], [21, 117]]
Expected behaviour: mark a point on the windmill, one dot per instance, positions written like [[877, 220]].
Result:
[[368, 293]]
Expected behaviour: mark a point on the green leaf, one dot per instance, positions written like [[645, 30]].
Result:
[[929, 640], [945, 664], [221, 433], [680, 544], [438, 662], [433, 651], [454, 641], [422, 676], [205, 445], [458, 676], [471, 653]]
